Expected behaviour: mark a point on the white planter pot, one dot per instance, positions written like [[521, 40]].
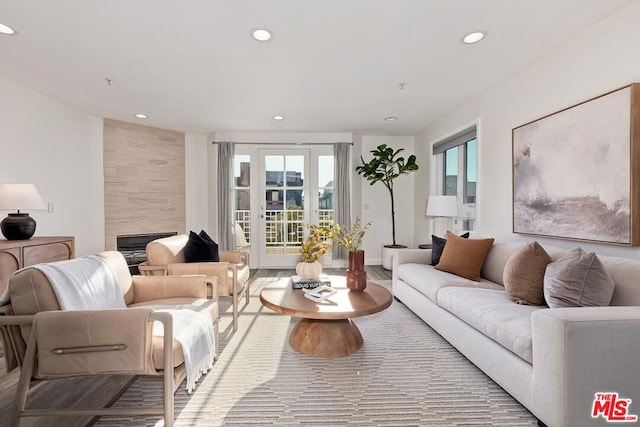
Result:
[[387, 256], [309, 270]]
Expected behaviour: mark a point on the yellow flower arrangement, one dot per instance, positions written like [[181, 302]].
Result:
[[351, 239], [315, 246]]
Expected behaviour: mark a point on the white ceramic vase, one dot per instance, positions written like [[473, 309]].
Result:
[[309, 270]]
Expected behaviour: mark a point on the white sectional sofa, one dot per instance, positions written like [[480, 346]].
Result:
[[552, 360]]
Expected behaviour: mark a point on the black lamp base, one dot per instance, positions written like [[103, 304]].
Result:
[[18, 226]]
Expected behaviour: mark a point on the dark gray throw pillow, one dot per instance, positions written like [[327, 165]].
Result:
[[437, 246], [577, 280], [200, 249]]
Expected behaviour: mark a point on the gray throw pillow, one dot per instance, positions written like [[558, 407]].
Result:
[[523, 275], [577, 280]]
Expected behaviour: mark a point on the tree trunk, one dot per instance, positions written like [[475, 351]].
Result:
[[393, 216]]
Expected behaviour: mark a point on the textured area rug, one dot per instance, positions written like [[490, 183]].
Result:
[[404, 375]]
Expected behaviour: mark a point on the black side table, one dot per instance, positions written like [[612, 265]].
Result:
[[425, 246]]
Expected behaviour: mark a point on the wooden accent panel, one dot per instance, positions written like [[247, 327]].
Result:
[[16, 254], [144, 180]]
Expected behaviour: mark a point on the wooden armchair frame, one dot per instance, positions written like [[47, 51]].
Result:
[[27, 368]]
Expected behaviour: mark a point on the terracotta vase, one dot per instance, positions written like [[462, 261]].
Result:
[[356, 276], [309, 270]]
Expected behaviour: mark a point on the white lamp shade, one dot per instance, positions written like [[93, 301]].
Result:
[[15, 197], [442, 206]]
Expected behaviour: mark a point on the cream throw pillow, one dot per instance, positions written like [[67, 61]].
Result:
[[577, 280], [523, 274], [464, 257]]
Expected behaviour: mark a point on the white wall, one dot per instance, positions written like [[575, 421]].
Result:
[[59, 149], [603, 58], [196, 181], [376, 203]]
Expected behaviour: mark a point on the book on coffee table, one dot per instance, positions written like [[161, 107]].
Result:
[[299, 283]]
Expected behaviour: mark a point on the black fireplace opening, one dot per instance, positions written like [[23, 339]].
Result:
[[133, 247]]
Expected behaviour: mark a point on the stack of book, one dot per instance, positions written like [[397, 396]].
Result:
[[300, 283]]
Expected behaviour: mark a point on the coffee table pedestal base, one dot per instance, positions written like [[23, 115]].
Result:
[[326, 338]]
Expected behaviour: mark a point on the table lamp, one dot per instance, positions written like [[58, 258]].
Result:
[[440, 207], [19, 225]]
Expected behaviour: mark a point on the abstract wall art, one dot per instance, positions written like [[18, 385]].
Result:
[[576, 172]]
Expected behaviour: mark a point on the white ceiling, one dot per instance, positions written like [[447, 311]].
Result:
[[332, 66]]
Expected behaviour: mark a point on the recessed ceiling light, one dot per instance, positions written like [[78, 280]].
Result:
[[141, 116], [278, 118], [261, 34], [474, 37], [391, 118], [5, 29]]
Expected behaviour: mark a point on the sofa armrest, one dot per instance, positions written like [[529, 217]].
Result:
[[236, 257], [216, 269], [578, 352], [212, 269], [405, 256], [415, 256], [90, 342], [152, 270], [25, 319], [148, 288], [212, 287]]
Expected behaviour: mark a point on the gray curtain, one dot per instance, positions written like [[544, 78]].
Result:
[[342, 194], [225, 196]]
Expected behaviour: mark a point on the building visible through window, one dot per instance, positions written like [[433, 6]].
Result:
[[456, 173]]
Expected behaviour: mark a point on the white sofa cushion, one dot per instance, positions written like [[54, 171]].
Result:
[[427, 280], [492, 313]]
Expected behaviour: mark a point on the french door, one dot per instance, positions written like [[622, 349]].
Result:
[[295, 188], [284, 205]]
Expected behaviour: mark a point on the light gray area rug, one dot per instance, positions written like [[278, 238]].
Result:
[[404, 375]]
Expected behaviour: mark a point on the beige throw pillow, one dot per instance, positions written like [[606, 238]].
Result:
[[577, 280], [523, 274], [464, 257]]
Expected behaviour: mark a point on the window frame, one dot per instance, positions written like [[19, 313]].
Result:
[[466, 211]]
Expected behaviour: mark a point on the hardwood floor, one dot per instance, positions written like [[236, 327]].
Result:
[[94, 391]]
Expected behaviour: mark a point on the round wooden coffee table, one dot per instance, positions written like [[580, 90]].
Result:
[[325, 328]]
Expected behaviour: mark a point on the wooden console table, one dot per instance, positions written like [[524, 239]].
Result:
[[17, 254]]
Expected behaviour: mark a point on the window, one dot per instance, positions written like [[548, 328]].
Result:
[[456, 173]]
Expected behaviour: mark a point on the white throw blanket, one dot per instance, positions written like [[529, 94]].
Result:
[[85, 283], [88, 283], [193, 328]]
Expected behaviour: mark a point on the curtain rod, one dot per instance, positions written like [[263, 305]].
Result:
[[287, 143]]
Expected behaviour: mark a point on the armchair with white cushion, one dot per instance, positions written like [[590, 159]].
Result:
[[49, 341], [166, 257]]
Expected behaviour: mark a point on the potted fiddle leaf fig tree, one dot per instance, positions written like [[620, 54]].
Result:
[[386, 165]]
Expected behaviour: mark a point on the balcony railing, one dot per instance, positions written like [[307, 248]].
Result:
[[282, 228]]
